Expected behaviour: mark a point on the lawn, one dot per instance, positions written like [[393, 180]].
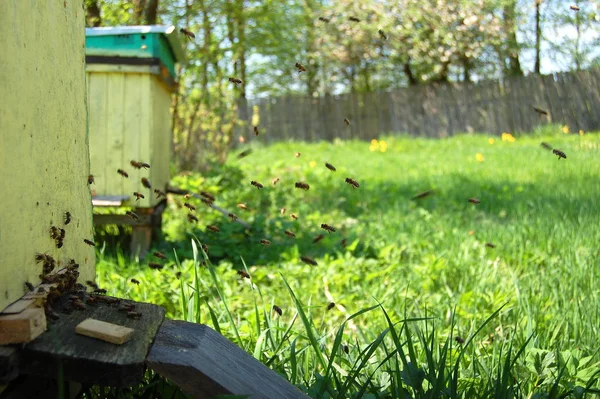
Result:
[[433, 297]]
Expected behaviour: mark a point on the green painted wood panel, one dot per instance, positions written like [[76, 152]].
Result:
[[44, 159]]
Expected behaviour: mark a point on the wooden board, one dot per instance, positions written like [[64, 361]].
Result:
[[109, 200], [204, 363], [22, 327], [109, 332], [89, 360]]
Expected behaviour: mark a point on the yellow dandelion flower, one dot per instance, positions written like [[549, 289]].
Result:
[[491, 140], [382, 146], [374, 142], [508, 137], [565, 129], [373, 148], [312, 164], [479, 157], [580, 132]]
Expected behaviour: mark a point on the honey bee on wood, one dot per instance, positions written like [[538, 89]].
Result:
[[212, 228], [132, 215], [159, 193], [155, 266], [265, 242], [330, 305], [243, 274], [232, 216], [100, 291], [256, 130], [92, 284], [90, 179], [302, 185], [159, 255], [127, 307], [134, 281], [188, 34], [282, 211], [189, 206], [300, 67], [490, 245], [275, 180], [323, 19], [294, 216], [146, 183], [422, 195], [574, 8], [330, 167], [256, 184], [347, 121], [207, 195], [289, 234], [122, 173], [54, 232], [89, 242], [243, 206], [328, 228], [244, 153], [277, 310], [134, 315], [353, 19], [318, 238], [297, 154], [546, 146], [78, 305], [91, 301], [235, 81], [474, 200], [559, 153], [352, 182], [29, 286], [192, 218], [67, 218], [382, 34], [138, 195], [540, 111]]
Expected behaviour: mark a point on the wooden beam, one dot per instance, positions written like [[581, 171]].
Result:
[[109, 200], [22, 327], [204, 364]]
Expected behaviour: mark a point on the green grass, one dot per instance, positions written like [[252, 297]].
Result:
[[414, 276]]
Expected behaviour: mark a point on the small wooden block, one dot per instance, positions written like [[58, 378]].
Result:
[[113, 333], [22, 327], [17, 307]]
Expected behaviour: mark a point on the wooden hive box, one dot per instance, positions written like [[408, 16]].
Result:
[[130, 76], [44, 158]]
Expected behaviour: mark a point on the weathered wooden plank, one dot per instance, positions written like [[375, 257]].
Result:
[[22, 327], [108, 332], [204, 363]]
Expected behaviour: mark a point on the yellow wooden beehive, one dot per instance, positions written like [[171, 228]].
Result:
[[44, 159], [131, 76]]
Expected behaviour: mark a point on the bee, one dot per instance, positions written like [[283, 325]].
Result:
[[134, 281], [127, 307], [146, 183], [138, 195], [192, 218], [300, 67], [328, 228], [559, 153], [282, 211], [51, 314], [54, 232], [297, 154], [89, 242], [330, 167], [382, 34], [207, 195], [471, 232], [208, 202], [459, 340], [159, 255], [145, 165], [233, 217], [91, 301], [546, 146], [318, 238], [323, 19], [78, 305], [29, 286], [347, 121], [178, 275], [132, 215], [302, 185], [204, 248], [265, 242], [352, 182], [243, 274], [346, 349], [159, 193], [308, 260], [275, 180], [90, 179], [354, 19], [490, 245], [136, 164], [134, 315], [294, 216], [92, 284], [236, 81], [100, 291], [574, 8], [540, 111], [256, 184], [344, 243], [277, 310], [67, 218], [122, 173], [189, 206], [256, 130], [289, 234], [422, 195], [212, 228], [188, 34], [243, 206], [330, 305], [155, 266], [244, 153], [474, 200], [188, 196]]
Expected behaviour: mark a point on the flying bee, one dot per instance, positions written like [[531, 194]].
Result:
[[208, 202], [330, 305], [256, 130], [490, 245], [188, 34], [546, 146], [540, 111], [297, 154], [300, 67], [330, 167], [159, 255], [277, 310], [422, 195], [244, 153], [90, 179], [178, 275], [289, 234], [159, 193], [134, 281], [122, 173], [89, 242], [282, 211], [236, 81], [138, 195], [382, 34], [323, 19], [346, 349], [294, 216], [352, 182], [136, 164], [134, 315], [192, 218], [559, 153], [233, 217], [204, 248], [328, 228], [132, 215], [344, 243], [574, 8], [347, 121], [67, 218], [155, 266], [242, 206], [256, 184], [265, 242], [459, 340], [146, 183], [318, 238], [29, 286], [353, 19], [243, 274], [189, 206], [275, 180], [474, 200], [212, 228], [207, 195], [302, 185]]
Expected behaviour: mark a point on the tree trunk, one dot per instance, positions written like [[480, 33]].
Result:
[[151, 12], [412, 80], [512, 46], [93, 14], [241, 50], [138, 11], [538, 37]]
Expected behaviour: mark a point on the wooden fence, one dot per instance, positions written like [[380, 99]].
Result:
[[571, 98]]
